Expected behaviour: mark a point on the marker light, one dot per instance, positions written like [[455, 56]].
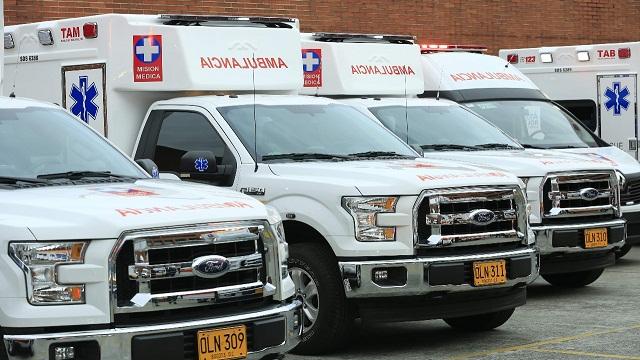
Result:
[[512, 58], [90, 30], [624, 53], [583, 56], [45, 36], [8, 41], [429, 48], [546, 58]]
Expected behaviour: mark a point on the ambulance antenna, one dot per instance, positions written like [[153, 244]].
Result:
[[440, 83], [15, 71], [255, 121]]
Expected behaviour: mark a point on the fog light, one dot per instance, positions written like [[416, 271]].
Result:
[[380, 275], [64, 353]]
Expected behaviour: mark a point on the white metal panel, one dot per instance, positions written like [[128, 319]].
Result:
[[617, 101]]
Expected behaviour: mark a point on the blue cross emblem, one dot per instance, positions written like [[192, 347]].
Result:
[[83, 96], [148, 49], [201, 164], [616, 99], [310, 61]]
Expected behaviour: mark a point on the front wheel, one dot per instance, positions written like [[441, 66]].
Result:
[[326, 316], [575, 279], [482, 322]]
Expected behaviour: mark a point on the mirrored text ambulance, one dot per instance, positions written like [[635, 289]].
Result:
[[214, 100], [100, 261], [445, 130], [496, 90]]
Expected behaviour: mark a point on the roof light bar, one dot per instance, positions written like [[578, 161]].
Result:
[[8, 41], [340, 37], [178, 19], [431, 48], [583, 56], [546, 58], [45, 36]]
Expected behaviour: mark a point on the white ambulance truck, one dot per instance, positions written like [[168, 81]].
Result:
[[447, 131], [493, 88], [100, 261], [370, 227], [597, 83]]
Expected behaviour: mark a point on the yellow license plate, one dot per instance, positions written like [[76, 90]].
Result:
[[222, 344], [489, 272], [596, 238]]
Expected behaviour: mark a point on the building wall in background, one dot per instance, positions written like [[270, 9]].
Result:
[[492, 23]]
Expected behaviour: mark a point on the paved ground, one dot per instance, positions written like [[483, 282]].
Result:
[[601, 321]]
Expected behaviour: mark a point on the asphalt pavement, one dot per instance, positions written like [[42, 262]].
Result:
[[600, 321]]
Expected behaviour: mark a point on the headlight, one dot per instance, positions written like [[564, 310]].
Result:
[[365, 210], [284, 246], [40, 262]]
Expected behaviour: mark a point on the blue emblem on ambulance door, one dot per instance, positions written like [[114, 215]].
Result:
[[310, 61], [616, 99], [83, 96]]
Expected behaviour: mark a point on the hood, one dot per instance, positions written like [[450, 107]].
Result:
[[615, 157], [529, 163], [393, 177], [102, 211]]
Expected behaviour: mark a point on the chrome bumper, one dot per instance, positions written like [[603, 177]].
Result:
[[358, 276], [115, 344], [545, 235]]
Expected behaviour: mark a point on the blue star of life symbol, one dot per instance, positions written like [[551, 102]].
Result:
[[201, 164], [148, 49], [616, 99], [83, 96], [310, 61]]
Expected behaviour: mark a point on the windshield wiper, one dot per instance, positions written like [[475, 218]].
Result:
[[15, 180], [439, 147], [529, 146], [567, 147], [77, 175], [304, 156], [497, 146], [374, 154]]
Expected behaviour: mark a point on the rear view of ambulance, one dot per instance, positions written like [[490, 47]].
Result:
[[215, 100], [350, 69]]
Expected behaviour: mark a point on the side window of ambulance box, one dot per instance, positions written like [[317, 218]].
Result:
[[585, 110], [186, 144]]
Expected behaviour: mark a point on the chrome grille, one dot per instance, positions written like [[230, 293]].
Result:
[[470, 216], [631, 193], [574, 195], [153, 270]]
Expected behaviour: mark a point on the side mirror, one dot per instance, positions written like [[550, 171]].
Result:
[[150, 167], [198, 164]]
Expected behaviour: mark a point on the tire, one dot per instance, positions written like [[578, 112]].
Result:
[[482, 322], [333, 321], [573, 280], [623, 251]]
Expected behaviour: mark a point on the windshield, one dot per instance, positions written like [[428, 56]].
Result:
[[317, 131], [41, 141], [535, 124], [435, 128]]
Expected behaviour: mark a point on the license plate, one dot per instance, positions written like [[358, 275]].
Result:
[[489, 272], [222, 344], [596, 238]]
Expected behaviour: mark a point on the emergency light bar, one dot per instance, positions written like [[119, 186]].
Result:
[[173, 19], [341, 37], [431, 48]]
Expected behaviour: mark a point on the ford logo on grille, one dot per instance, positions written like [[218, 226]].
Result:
[[589, 194], [482, 217], [210, 266]]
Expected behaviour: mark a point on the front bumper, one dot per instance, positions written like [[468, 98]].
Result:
[[274, 331], [562, 246], [633, 225], [427, 275]]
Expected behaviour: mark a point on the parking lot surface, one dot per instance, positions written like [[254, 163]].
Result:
[[601, 321]]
